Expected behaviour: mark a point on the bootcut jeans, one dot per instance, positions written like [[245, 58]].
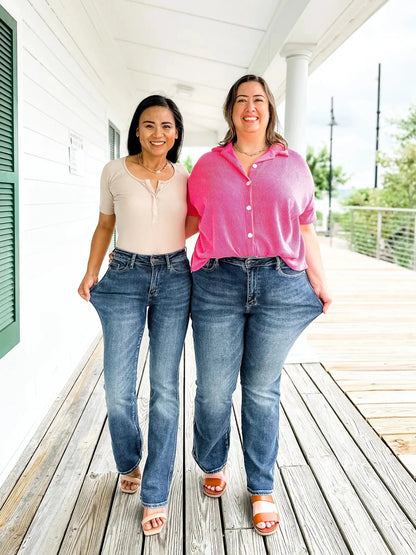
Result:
[[135, 284], [246, 315]]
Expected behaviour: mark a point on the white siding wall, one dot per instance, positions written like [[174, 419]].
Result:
[[69, 80]]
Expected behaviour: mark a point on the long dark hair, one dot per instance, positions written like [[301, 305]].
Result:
[[133, 143], [272, 136]]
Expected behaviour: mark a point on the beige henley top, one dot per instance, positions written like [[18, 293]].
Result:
[[148, 221]]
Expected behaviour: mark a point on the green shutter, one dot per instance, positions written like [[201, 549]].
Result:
[[9, 290]]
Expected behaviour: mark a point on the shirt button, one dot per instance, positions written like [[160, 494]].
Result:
[[254, 166], [249, 235], [248, 183], [248, 207]]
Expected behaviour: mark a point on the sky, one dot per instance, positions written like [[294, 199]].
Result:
[[350, 77]]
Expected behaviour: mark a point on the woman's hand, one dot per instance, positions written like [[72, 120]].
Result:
[[99, 245], [321, 290], [85, 286], [315, 270]]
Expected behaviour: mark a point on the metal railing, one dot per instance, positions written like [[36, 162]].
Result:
[[385, 233]]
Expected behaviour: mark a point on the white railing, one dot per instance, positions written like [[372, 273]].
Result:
[[385, 233]]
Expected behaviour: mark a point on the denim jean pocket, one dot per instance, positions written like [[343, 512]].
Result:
[[180, 266], [118, 265], [210, 266], [286, 271]]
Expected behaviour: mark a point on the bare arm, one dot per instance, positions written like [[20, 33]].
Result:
[[99, 245], [191, 226], [315, 271]]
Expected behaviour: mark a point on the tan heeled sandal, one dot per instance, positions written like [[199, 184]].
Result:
[[156, 529], [132, 480]]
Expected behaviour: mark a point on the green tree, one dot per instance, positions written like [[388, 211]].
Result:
[[399, 179], [187, 163], [364, 197], [319, 165]]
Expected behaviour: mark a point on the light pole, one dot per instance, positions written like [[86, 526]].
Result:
[[377, 125], [331, 124]]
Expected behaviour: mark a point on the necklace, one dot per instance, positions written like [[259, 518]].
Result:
[[139, 159], [250, 154]]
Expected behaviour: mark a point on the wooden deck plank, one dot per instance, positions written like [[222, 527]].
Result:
[[370, 330], [403, 444], [52, 517], [313, 523], [393, 474], [89, 519], [395, 527], [203, 534], [235, 502], [244, 542], [317, 523], [376, 381], [384, 398], [21, 505], [315, 519], [123, 532], [315, 489], [394, 425], [169, 541], [289, 453], [77, 376], [356, 526], [289, 538], [88, 522]]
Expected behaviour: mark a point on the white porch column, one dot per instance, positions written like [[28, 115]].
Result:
[[297, 60]]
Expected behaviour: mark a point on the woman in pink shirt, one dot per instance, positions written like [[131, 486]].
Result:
[[258, 281]]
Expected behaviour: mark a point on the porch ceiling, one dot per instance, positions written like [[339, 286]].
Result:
[[193, 50]]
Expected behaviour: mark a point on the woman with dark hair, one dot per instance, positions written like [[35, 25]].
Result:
[[258, 281], [145, 195]]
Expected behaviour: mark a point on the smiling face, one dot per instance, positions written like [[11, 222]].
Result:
[[251, 109], [156, 131]]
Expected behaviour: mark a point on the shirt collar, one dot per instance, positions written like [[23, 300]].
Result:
[[276, 149]]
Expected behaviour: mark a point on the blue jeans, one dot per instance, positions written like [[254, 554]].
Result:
[[246, 315], [132, 284]]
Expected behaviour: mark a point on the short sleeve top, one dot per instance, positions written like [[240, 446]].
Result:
[[255, 215], [148, 221]]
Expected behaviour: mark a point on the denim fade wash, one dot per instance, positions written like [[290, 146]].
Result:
[[246, 315], [159, 285]]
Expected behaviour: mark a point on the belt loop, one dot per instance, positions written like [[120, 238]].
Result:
[[277, 262], [132, 261], [168, 263]]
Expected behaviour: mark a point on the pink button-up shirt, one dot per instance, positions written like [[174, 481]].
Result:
[[251, 215]]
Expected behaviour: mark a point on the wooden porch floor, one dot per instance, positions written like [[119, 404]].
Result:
[[339, 488], [367, 342]]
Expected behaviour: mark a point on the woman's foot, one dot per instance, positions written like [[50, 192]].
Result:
[[265, 517], [215, 484], [153, 520], [130, 483]]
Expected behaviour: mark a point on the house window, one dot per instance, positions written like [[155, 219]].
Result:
[[113, 141], [114, 148], [9, 253]]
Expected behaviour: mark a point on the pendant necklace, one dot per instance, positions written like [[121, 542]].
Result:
[[139, 159]]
